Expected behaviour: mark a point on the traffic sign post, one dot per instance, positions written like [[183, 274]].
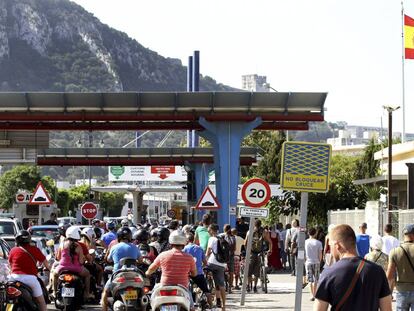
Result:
[[255, 193], [89, 210], [305, 167]]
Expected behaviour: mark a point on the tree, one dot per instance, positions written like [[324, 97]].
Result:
[[22, 177], [112, 203], [269, 144]]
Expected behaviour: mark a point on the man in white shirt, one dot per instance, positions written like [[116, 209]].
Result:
[[388, 241], [217, 268], [313, 251]]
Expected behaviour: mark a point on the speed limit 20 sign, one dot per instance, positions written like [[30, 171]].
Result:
[[255, 192]]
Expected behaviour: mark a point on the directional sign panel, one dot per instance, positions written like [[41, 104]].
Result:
[[254, 212], [305, 166]]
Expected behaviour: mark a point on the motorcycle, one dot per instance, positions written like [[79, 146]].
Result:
[[128, 290], [69, 295], [15, 295], [170, 298]]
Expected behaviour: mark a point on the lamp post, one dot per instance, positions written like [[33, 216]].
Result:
[[390, 110]]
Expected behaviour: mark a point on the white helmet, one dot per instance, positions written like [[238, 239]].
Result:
[[177, 237], [89, 233], [73, 232]]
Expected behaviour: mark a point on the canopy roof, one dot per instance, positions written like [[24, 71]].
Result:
[[156, 110]]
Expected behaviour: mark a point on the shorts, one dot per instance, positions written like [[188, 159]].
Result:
[[201, 282], [236, 265], [218, 274], [312, 272], [254, 267], [230, 264], [29, 280], [405, 300]]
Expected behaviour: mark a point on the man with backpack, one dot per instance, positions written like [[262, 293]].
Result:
[[260, 243], [218, 252]]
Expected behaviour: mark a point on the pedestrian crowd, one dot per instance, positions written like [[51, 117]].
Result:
[[350, 271]]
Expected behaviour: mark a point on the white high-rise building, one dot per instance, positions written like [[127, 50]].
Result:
[[254, 83]]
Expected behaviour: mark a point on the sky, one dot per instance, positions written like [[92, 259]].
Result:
[[351, 49]]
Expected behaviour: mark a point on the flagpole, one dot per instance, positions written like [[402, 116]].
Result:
[[403, 71]]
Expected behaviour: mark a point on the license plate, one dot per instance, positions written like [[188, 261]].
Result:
[[169, 308], [9, 307], [131, 295], [68, 292]]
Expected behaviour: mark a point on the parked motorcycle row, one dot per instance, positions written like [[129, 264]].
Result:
[[131, 289]]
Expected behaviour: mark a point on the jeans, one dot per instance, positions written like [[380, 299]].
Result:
[[405, 301]]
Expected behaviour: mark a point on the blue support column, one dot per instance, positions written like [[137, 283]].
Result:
[[226, 139]]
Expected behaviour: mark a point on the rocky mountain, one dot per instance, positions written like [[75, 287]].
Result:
[[55, 45]]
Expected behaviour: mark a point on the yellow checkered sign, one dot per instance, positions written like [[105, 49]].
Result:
[[305, 166]]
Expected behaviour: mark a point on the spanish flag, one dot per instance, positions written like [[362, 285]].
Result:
[[409, 37]]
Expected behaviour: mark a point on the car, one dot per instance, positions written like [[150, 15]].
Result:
[[48, 232], [9, 227]]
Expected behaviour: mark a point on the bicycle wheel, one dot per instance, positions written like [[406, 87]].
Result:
[[263, 275]]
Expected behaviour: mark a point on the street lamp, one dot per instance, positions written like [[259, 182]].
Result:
[[390, 110]]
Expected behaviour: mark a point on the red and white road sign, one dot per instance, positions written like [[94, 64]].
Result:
[[208, 201], [40, 195], [255, 192], [89, 210]]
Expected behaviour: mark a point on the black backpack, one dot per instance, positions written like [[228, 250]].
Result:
[[223, 250]]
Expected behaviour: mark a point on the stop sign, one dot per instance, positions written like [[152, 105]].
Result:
[[89, 210]]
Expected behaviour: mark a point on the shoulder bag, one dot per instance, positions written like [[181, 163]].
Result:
[[351, 286], [28, 253]]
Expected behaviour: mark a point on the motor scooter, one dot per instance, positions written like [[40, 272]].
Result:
[[128, 290], [170, 298], [70, 289]]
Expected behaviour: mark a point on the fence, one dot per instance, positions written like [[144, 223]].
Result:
[[397, 218], [351, 217]]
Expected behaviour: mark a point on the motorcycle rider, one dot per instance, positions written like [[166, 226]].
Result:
[[110, 235], [23, 259], [124, 249], [98, 237], [175, 264], [161, 244], [88, 239], [201, 260], [141, 238], [71, 257]]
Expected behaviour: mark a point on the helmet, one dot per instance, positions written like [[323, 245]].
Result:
[[73, 232], [23, 237], [63, 227], [125, 222], [163, 234], [98, 232], [110, 225], [142, 236], [89, 233], [154, 233], [124, 233], [147, 226], [177, 237]]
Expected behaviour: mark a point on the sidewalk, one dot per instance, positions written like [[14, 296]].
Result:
[[280, 296]]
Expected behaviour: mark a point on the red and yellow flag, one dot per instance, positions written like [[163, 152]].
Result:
[[409, 37]]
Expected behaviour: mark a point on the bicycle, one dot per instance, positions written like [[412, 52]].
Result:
[[263, 271]]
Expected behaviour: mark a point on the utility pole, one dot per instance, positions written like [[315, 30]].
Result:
[[390, 110]]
